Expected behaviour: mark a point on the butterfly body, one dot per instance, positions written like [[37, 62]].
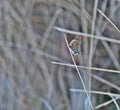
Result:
[[74, 46]]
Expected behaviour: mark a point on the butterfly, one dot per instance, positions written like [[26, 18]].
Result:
[[74, 45]]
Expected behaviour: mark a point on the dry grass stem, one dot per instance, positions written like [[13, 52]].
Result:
[[105, 103], [97, 92], [92, 43], [116, 104], [84, 67], [49, 28], [88, 35], [111, 54], [79, 74], [94, 76], [109, 20]]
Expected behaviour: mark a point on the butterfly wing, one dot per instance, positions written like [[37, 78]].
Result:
[[75, 46]]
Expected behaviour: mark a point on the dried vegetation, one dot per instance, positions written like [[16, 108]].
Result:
[[34, 57]]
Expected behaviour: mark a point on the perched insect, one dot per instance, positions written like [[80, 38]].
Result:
[[74, 45]]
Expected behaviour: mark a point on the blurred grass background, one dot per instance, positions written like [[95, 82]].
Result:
[[29, 43]]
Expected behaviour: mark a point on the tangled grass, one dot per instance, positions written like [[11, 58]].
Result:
[[37, 70]]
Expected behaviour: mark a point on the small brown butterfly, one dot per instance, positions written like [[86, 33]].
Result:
[[75, 45]]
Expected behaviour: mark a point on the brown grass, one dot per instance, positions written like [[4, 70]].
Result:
[[32, 36]]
